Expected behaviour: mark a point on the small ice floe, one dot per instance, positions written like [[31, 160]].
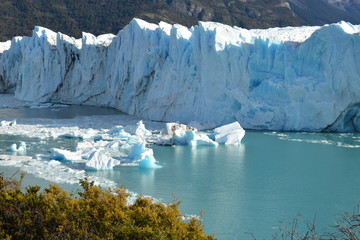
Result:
[[171, 128], [144, 156], [8, 123], [11, 160], [13, 148], [65, 155], [138, 129], [199, 139], [229, 134], [192, 138], [184, 135], [100, 161], [80, 134]]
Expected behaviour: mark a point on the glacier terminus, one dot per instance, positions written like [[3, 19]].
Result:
[[293, 78]]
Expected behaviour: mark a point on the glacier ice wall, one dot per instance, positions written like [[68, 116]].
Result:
[[305, 78]]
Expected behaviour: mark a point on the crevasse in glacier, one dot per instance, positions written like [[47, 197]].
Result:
[[304, 78]]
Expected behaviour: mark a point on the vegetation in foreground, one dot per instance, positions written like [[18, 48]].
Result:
[[104, 214], [94, 214]]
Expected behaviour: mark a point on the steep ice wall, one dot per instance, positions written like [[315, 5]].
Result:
[[305, 78]]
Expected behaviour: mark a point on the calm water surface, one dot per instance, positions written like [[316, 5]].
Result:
[[270, 177], [250, 188]]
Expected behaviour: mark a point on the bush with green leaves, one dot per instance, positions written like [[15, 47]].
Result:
[[94, 214]]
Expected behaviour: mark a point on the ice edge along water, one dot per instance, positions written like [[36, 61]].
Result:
[[303, 78], [101, 147]]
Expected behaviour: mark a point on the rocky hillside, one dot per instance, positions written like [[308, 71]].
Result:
[[18, 17]]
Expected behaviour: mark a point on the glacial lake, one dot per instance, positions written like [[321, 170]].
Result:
[[244, 189]]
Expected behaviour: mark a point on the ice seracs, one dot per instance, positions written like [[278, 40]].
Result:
[[294, 78]]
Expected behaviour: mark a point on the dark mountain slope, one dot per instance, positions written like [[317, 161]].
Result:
[[318, 12], [18, 17]]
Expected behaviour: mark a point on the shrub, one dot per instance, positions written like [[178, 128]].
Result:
[[94, 214]]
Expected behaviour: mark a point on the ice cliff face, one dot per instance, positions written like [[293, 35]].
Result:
[[305, 78]]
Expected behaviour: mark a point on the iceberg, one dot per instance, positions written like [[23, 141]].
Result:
[[144, 156], [229, 134], [13, 148], [199, 139], [293, 78], [65, 155], [180, 134], [100, 161], [138, 130]]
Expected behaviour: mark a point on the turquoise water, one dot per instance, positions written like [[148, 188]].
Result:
[[250, 188], [270, 177]]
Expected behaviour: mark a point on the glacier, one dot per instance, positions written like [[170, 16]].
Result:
[[293, 78]]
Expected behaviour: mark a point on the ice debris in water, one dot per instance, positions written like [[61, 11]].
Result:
[[184, 135], [229, 134], [144, 156], [64, 155], [7, 123], [13, 148], [116, 146], [138, 130], [100, 161]]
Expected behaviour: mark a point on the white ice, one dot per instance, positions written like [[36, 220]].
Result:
[[229, 134], [294, 78], [100, 161], [13, 148]]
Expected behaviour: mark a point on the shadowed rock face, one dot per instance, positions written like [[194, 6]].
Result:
[[345, 5], [319, 12], [301, 79]]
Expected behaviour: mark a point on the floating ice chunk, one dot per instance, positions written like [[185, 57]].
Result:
[[127, 147], [229, 134], [138, 130], [179, 136], [22, 147], [7, 123], [136, 151], [65, 155], [10, 160], [199, 139], [186, 135], [171, 127], [100, 161], [144, 156], [119, 132], [148, 160], [13, 148]]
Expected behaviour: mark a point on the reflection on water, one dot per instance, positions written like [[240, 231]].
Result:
[[250, 188], [247, 188]]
